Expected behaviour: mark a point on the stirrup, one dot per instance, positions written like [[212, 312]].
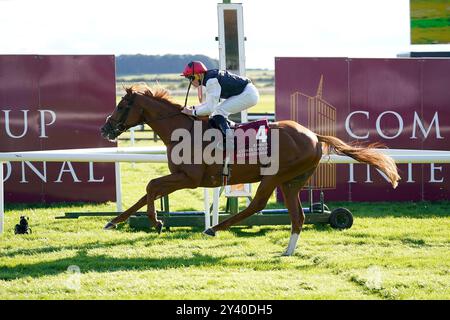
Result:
[[226, 171], [220, 145]]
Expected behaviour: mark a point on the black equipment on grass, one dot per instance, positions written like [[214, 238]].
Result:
[[22, 227]]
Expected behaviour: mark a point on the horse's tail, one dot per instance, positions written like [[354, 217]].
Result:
[[365, 155]]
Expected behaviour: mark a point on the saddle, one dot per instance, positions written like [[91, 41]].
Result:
[[246, 149], [250, 139]]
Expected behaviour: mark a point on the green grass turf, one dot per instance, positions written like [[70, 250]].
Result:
[[393, 251]]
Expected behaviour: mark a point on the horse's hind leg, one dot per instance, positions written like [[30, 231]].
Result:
[[265, 190], [290, 191]]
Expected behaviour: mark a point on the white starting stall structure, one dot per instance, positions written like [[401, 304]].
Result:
[[231, 40], [230, 17]]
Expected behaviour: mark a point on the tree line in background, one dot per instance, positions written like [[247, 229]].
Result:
[[156, 64]]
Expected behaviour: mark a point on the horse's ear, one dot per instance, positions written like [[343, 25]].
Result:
[[129, 91], [147, 92]]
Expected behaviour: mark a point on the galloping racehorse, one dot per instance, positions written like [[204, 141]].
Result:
[[301, 149]]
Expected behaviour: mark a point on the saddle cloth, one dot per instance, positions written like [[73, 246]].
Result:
[[251, 139]]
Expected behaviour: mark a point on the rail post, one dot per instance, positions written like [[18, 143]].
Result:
[[2, 199], [206, 208], [118, 187]]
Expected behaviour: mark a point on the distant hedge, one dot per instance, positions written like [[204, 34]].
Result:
[[145, 64]]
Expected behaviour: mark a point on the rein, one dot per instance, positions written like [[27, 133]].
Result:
[[163, 117], [187, 93], [124, 116], [118, 126]]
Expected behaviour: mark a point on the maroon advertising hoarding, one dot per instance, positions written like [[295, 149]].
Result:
[[56, 102], [402, 103]]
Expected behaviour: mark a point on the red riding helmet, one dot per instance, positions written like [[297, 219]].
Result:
[[194, 67]]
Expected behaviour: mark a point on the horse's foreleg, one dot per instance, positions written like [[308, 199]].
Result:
[[163, 186], [258, 203], [127, 213]]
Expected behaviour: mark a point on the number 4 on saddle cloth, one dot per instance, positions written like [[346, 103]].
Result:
[[251, 141]]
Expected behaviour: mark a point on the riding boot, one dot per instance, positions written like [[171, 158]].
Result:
[[219, 122]]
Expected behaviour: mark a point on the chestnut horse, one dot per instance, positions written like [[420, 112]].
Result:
[[295, 166]]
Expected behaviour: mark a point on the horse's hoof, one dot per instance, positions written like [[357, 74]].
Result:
[[109, 226], [210, 232], [287, 253], [159, 227]]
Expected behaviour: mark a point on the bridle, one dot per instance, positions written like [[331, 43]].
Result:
[[118, 126], [124, 116]]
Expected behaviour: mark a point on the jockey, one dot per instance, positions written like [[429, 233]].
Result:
[[239, 92]]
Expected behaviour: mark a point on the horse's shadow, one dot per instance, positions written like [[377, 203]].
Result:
[[86, 246], [237, 231], [102, 263], [250, 232]]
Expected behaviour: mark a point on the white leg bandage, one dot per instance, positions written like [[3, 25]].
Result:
[[292, 244]]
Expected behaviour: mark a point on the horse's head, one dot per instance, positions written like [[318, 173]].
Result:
[[126, 115]]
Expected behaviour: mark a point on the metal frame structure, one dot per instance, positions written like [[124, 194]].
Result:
[[158, 155], [230, 18]]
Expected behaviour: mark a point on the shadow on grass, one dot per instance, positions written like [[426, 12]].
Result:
[[188, 232], [417, 210], [56, 205], [420, 209], [414, 242], [102, 263], [250, 232], [319, 227], [86, 246]]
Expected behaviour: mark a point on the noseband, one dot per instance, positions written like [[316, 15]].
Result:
[[120, 124]]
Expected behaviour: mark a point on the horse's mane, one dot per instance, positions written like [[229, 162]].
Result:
[[158, 93]]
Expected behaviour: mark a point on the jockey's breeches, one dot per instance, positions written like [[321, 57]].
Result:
[[248, 98]]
